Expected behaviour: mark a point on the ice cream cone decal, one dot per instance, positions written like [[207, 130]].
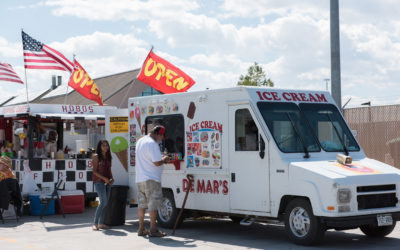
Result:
[[119, 146], [137, 115], [190, 113]]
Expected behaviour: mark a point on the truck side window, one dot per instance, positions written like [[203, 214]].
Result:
[[174, 132], [246, 132]]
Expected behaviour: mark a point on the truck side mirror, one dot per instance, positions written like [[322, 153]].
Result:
[[262, 147]]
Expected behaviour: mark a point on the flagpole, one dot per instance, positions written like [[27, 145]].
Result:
[[26, 87], [26, 79], [66, 93]]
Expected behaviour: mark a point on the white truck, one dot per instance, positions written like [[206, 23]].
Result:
[[266, 154]]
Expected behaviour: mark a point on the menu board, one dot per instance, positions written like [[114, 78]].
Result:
[[203, 149]]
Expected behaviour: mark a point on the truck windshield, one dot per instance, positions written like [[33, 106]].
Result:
[[329, 127], [288, 127]]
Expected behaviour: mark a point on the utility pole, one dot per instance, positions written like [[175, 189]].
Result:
[[326, 81], [335, 53]]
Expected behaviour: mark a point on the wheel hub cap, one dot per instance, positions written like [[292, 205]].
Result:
[[299, 222], [165, 210]]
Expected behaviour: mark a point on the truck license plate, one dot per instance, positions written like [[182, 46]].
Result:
[[384, 220]]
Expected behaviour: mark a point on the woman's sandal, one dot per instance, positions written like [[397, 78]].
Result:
[[95, 228], [157, 233], [143, 232]]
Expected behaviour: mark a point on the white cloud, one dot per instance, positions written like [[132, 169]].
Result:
[[8, 49], [316, 74], [105, 53], [212, 80], [130, 10], [216, 60], [215, 42], [260, 8]]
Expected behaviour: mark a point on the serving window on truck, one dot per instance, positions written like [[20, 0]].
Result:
[[174, 132]]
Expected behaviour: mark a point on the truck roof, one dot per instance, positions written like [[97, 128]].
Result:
[[260, 94]]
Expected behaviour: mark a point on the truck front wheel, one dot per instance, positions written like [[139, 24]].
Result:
[[375, 231], [167, 213], [301, 226]]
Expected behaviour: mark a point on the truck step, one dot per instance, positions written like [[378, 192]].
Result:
[[248, 220]]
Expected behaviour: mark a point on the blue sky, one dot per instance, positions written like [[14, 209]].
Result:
[[214, 41]]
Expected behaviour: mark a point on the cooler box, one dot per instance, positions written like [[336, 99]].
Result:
[[37, 204], [72, 201]]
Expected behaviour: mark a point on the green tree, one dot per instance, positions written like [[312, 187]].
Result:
[[255, 77]]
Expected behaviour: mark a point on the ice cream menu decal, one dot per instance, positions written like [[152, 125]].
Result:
[[135, 131], [118, 144], [203, 142], [137, 115], [204, 148]]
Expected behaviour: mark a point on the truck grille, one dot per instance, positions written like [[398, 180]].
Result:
[[379, 196], [363, 189]]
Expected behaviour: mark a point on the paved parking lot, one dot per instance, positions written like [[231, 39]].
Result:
[[74, 232]]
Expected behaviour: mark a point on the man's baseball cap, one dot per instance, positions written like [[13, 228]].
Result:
[[159, 130]]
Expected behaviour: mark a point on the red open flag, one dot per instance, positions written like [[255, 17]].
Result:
[[163, 76], [84, 85]]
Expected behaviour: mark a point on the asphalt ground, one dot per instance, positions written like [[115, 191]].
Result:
[[74, 233]]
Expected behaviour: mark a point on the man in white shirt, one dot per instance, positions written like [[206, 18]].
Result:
[[149, 167]]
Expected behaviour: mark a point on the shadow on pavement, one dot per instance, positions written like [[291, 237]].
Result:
[[261, 235], [215, 231]]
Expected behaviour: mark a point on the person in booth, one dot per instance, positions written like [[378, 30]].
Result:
[[21, 134], [102, 179], [149, 167], [9, 183], [7, 150], [51, 144]]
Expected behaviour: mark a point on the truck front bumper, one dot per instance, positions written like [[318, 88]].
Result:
[[355, 221]]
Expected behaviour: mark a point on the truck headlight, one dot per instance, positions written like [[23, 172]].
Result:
[[344, 195]]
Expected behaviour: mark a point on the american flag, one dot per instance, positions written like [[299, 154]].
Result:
[[40, 56], [7, 74]]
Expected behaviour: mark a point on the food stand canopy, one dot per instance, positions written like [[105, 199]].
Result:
[[56, 111]]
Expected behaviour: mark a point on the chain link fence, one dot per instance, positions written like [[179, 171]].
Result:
[[377, 129]]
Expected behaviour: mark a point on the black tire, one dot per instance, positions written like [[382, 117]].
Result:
[[372, 230], [167, 213], [236, 219], [301, 226]]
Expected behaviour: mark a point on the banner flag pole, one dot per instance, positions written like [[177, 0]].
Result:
[[66, 93], [26, 79]]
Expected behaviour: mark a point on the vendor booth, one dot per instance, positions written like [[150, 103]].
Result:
[[52, 142]]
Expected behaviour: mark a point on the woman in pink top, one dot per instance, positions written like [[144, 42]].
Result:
[[102, 179]]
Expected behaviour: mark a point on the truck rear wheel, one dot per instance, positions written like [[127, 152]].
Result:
[[167, 213], [375, 231], [301, 226]]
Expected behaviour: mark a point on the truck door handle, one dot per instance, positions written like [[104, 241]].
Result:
[[233, 177]]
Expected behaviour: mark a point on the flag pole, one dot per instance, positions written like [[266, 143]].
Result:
[[66, 93], [26, 87], [26, 79]]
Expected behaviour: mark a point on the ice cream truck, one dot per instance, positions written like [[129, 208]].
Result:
[[265, 155]]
